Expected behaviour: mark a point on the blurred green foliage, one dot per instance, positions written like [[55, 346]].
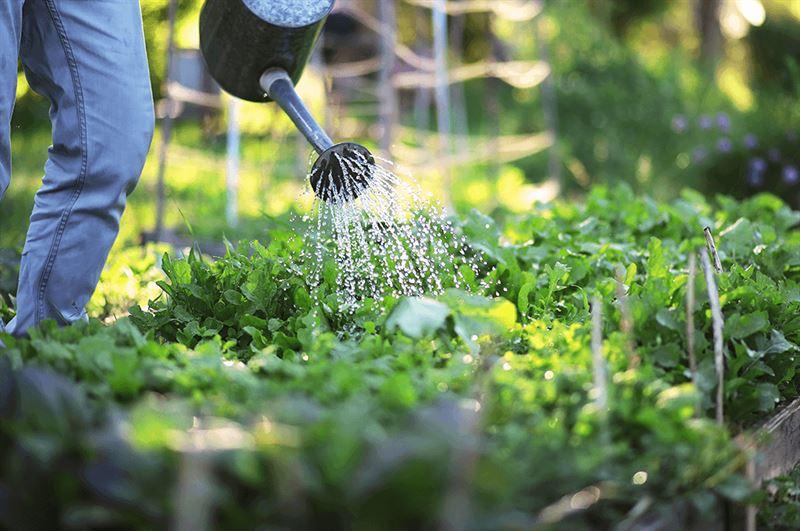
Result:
[[621, 15], [154, 17], [775, 50]]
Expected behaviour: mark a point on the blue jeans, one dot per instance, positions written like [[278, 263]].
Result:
[[87, 57]]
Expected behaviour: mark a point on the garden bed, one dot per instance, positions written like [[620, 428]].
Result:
[[482, 410]]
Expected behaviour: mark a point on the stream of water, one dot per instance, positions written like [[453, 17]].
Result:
[[391, 240]]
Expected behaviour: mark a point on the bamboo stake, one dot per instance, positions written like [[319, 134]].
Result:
[[717, 324]]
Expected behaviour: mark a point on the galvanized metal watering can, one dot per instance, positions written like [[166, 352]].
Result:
[[256, 50]]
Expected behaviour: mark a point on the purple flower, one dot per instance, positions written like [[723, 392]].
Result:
[[680, 123], [724, 145], [750, 141], [723, 122], [790, 174], [704, 121], [774, 155], [699, 154], [758, 165]]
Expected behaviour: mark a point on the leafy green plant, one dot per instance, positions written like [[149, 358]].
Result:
[[423, 412]]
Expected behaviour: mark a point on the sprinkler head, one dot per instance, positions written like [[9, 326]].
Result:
[[342, 172]]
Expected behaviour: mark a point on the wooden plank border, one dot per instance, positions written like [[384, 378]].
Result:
[[777, 443]]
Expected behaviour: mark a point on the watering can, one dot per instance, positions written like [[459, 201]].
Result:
[[256, 50]]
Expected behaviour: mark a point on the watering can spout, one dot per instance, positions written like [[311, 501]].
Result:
[[342, 171], [279, 87]]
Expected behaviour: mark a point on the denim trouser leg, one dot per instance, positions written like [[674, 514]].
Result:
[[10, 31], [88, 58]]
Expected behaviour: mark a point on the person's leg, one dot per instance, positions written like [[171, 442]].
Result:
[[10, 28], [88, 58]]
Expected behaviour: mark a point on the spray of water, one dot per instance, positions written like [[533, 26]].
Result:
[[381, 238]]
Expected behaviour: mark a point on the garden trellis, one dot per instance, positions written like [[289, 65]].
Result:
[[422, 74], [398, 67]]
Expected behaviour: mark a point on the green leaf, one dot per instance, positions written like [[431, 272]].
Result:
[[740, 326], [418, 317]]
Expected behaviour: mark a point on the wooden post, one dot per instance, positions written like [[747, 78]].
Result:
[[233, 156], [422, 97], [195, 486], [388, 96], [460, 112], [166, 124], [493, 97], [549, 106], [439, 20]]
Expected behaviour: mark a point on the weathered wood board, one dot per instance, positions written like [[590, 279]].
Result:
[[777, 443]]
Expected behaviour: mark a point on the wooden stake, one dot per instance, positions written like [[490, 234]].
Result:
[[388, 96], [442, 85], [717, 325], [690, 298], [626, 320], [195, 487], [751, 511], [492, 106], [712, 248], [442, 93], [233, 155], [598, 362]]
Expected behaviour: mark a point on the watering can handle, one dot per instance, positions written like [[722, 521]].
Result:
[[278, 86]]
